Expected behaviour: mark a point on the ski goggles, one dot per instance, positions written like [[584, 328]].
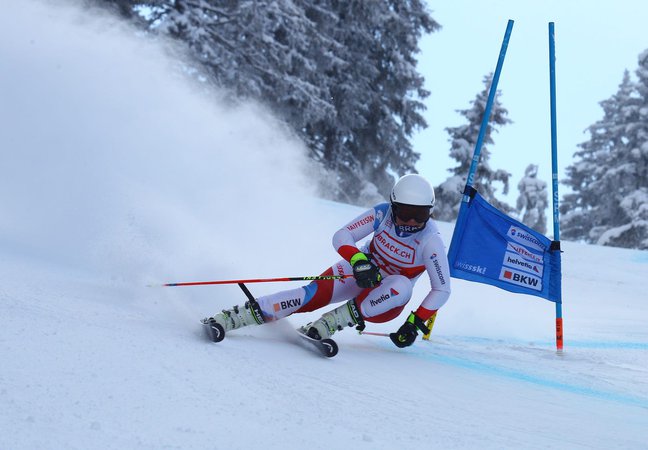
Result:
[[420, 214]]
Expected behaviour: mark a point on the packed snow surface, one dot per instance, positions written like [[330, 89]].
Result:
[[117, 173]]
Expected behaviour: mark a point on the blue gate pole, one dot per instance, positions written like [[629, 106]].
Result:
[[554, 143], [480, 138], [554, 172], [487, 111]]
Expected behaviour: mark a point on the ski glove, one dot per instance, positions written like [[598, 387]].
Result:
[[406, 334], [366, 273]]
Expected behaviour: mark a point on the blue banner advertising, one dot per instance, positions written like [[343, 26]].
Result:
[[490, 247]]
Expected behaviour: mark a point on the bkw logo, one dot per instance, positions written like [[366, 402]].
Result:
[[521, 279], [287, 304]]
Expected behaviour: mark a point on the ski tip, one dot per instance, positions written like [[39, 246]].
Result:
[[327, 347], [214, 330], [330, 347]]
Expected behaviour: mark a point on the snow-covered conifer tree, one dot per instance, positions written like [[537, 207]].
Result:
[[378, 90], [609, 179], [341, 74], [533, 200], [463, 140]]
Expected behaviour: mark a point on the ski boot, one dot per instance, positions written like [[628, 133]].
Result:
[[231, 319], [346, 315]]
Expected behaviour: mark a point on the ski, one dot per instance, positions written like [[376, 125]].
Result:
[[214, 330], [327, 347]]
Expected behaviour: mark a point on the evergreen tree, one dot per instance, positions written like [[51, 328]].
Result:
[[378, 90], [258, 49], [463, 141], [609, 180], [533, 200], [342, 74]]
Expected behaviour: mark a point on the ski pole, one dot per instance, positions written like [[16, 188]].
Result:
[[254, 280], [371, 333], [429, 324]]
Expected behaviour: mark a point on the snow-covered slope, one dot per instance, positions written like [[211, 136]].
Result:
[[116, 173]]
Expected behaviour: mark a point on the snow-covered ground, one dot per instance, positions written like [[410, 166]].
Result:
[[116, 173]]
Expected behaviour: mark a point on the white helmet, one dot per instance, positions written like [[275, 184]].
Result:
[[413, 189]]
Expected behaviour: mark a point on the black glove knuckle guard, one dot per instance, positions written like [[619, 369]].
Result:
[[366, 274], [405, 336]]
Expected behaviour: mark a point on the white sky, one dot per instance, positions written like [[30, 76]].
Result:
[[595, 42]]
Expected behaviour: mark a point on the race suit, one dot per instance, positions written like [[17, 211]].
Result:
[[402, 257]]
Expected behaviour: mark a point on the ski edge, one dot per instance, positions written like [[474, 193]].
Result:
[[327, 347]]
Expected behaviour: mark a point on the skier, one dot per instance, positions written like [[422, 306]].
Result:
[[406, 242]]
